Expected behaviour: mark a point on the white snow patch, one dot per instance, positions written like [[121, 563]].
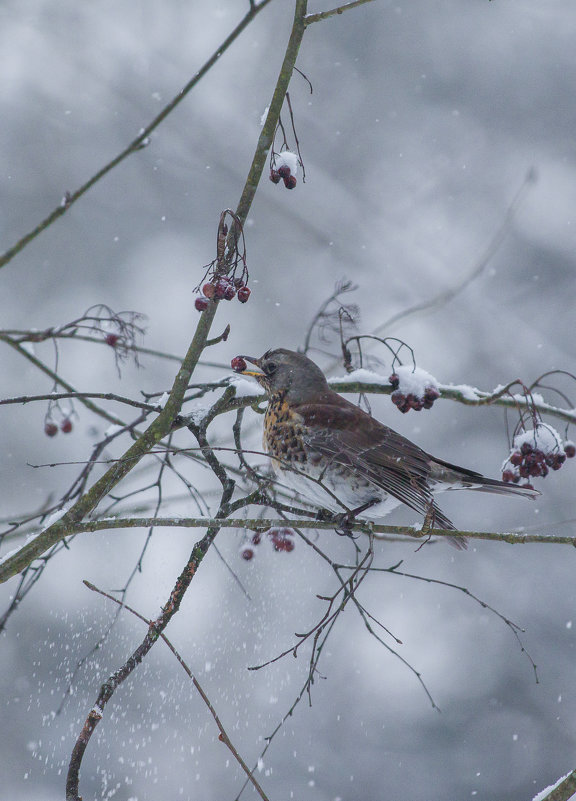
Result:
[[28, 347], [162, 400], [543, 793], [415, 381], [197, 415], [287, 159], [543, 438], [55, 516], [360, 376], [245, 387], [263, 117], [467, 392]]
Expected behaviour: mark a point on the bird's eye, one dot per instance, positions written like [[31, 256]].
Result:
[[270, 368]]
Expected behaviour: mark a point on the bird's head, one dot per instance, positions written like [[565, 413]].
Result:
[[287, 372]]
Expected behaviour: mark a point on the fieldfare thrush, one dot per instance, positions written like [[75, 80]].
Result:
[[341, 459]]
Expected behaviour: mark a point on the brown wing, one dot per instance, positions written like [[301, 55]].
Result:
[[349, 436]]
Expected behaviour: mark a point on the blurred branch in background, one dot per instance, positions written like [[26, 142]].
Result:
[[140, 142]]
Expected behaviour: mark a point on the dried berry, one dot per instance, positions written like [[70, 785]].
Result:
[[201, 304], [112, 340], [284, 171], [290, 182], [431, 394], [394, 381], [222, 286], [243, 294], [208, 290], [66, 426], [50, 429], [274, 176], [238, 364], [570, 450], [230, 292]]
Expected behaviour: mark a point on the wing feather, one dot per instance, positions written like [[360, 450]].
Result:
[[350, 437]]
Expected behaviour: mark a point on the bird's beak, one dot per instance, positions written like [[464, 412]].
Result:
[[255, 361]]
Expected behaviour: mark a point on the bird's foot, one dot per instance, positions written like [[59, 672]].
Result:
[[345, 520]]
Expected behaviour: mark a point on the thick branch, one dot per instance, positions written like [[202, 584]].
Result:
[[257, 524]]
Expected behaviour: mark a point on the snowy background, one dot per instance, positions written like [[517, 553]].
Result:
[[425, 118]]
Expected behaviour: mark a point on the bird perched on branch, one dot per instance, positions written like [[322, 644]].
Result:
[[341, 459]]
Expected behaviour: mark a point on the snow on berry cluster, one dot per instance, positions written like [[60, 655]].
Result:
[[414, 388], [285, 167], [223, 288], [535, 452], [282, 539]]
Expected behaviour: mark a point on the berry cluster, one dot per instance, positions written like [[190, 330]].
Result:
[[238, 364], [412, 400], [535, 453], [284, 167], [223, 288], [51, 429], [283, 173], [282, 539]]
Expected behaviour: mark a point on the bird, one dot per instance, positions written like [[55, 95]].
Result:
[[341, 459]]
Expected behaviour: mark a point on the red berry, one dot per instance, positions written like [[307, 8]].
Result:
[[394, 381], [527, 486], [516, 458], [431, 394], [397, 398], [290, 182], [201, 304], [247, 553], [284, 171], [208, 290], [50, 429], [507, 476], [570, 450], [66, 425], [229, 293], [221, 288], [238, 364], [256, 538], [282, 539], [526, 448], [243, 294], [112, 340], [274, 177]]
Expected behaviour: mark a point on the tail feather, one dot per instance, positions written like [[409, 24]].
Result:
[[461, 478]]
